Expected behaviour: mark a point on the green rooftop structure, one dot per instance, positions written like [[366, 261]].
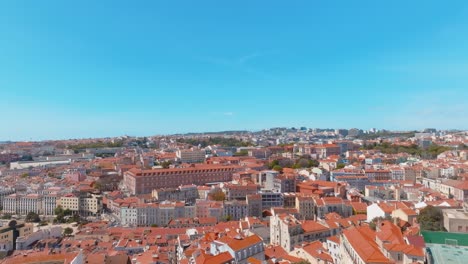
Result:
[[446, 248], [446, 238], [444, 254]]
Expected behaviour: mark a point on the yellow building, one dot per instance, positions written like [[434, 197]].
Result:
[[10, 232]]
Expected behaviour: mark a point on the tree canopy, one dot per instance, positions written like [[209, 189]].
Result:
[[67, 231], [97, 144], [303, 162], [65, 216], [217, 195], [431, 218], [431, 152], [32, 217]]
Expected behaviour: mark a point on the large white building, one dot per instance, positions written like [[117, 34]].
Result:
[[23, 242], [23, 204], [45, 204], [154, 214], [5, 192], [31, 164]]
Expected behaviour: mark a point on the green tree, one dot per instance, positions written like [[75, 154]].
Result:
[[32, 217], [302, 163], [277, 168], [166, 164], [6, 216], [340, 165], [67, 212], [272, 164], [431, 218], [313, 163], [61, 215], [217, 195], [98, 186], [67, 231], [58, 210], [241, 153], [286, 163]]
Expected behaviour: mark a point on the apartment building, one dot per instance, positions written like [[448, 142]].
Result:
[[239, 192], [49, 203], [240, 248], [378, 175], [326, 150], [235, 210], [354, 180], [327, 205], [25, 242], [138, 181], [305, 205], [314, 252], [10, 232], [456, 220], [187, 193], [209, 209], [160, 214], [254, 203], [271, 199], [358, 246], [69, 201], [284, 183], [191, 156], [383, 209], [455, 188], [287, 231], [84, 204], [397, 174]]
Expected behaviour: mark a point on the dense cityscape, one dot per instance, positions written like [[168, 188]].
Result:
[[233, 132], [280, 195]]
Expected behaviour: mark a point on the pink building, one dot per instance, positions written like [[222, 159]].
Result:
[[139, 181]]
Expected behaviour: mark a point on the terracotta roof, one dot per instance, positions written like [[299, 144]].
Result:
[[275, 252], [316, 250], [362, 239], [238, 244], [312, 226]]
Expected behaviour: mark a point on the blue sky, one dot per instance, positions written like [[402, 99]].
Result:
[[73, 69]]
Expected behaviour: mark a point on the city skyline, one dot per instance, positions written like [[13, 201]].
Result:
[[302, 129], [112, 68]]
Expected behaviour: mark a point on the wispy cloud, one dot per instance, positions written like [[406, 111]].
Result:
[[228, 114], [440, 109], [450, 69], [246, 58], [240, 63]]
